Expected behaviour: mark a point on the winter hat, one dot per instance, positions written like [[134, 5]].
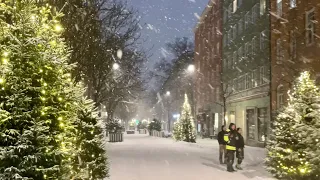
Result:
[[231, 124]]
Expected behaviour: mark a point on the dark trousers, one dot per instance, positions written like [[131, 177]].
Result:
[[230, 159], [240, 155], [222, 153]]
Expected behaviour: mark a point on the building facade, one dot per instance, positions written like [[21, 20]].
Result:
[[246, 67], [295, 45], [207, 61]]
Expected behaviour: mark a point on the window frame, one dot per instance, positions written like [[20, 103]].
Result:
[[293, 4], [279, 7], [263, 7], [311, 29], [280, 97], [279, 51]]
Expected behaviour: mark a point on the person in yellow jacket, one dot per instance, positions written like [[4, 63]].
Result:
[[230, 139]]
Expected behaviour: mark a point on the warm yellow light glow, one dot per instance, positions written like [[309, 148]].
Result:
[[45, 84], [58, 28], [60, 99], [43, 92], [1, 80], [5, 54], [60, 118]]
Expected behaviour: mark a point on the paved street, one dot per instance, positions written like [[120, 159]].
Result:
[[141, 157]]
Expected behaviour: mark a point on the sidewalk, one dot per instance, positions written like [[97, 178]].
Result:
[[253, 155]]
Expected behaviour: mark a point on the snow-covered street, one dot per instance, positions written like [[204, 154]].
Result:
[[141, 157]]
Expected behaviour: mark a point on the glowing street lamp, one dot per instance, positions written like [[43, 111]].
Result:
[[115, 66], [191, 68], [168, 93]]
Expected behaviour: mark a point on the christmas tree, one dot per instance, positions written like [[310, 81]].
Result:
[[177, 131], [294, 148], [187, 129], [40, 112], [90, 162]]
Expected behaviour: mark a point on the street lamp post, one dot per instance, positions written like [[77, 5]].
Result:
[[168, 111], [191, 70]]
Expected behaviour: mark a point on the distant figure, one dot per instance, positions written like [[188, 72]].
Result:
[[240, 148], [222, 145], [230, 139]]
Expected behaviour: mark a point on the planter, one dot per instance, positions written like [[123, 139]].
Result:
[[130, 132], [157, 133], [142, 131], [115, 137]]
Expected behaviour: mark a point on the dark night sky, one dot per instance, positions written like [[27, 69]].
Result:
[[164, 20]]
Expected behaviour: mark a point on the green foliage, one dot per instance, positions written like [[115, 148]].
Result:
[[42, 127], [90, 162], [142, 125], [113, 126], [294, 147], [155, 125], [177, 131]]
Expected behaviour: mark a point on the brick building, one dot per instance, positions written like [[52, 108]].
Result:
[[295, 41], [246, 67], [207, 61]]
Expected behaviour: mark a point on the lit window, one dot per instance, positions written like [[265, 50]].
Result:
[[262, 7], [293, 45], [310, 27], [248, 80], [280, 97], [235, 5], [279, 7], [293, 3]]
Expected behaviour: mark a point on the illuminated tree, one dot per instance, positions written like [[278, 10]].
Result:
[[40, 111], [294, 149], [187, 129]]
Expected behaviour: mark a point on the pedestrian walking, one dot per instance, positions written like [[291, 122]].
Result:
[[230, 139], [222, 145], [239, 148]]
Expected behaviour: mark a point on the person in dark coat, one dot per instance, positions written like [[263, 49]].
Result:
[[230, 139], [222, 145], [239, 148]]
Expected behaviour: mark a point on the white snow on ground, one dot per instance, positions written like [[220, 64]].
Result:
[[141, 157]]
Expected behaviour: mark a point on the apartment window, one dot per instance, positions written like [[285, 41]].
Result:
[[234, 30], [247, 20], [240, 26], [225, 16], [247, 49], [254, 45], [255, 78], [293, 45], [262, 7], [263, 40], [279, 7], [225, 63], [262, 123], [230, 10], [255, 13], [279, 51], [218, 94], [235, 5], [239, 3], [240, 53], [235, 57], [229, 36], [310, 27], [262, 75], [235, 85], [280, 97], [293, 3], [248, 81], [225, 40]]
